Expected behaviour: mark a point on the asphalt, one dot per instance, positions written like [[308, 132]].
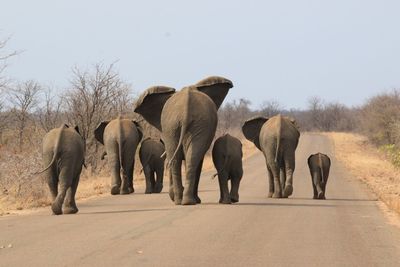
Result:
[[347, 229]]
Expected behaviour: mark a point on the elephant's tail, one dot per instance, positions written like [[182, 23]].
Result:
[[184, 126], [278, 138], [120, 145], [56, 150], [321, 167]]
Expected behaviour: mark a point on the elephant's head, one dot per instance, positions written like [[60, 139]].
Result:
[[99, 131], [251, 129], [152, 101]]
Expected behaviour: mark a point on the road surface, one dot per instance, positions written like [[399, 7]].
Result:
[[348, 229]]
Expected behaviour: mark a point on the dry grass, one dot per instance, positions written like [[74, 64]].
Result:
[[368, 164]]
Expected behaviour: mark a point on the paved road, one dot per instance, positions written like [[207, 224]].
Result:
[[148, 230]]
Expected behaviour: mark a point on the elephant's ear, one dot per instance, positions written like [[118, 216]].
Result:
[[215, 87], [139, 129], [99, 132], [151, 103], [251, 129]]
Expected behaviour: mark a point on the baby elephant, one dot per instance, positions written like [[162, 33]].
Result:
[[152, 159], [227, 157], [319, 165]]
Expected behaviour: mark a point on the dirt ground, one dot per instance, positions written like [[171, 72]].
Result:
[[370, 165]]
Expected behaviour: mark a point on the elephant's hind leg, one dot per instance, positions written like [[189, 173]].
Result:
[[225, 197], [115, 168], [235, 183], [65, 180], [176, 173], [196, 183], [193, 169], [282, 177], [289, 166], [149, 175], [52, 182], [270, 182], [275, 171], [159, 182], [69, 203]]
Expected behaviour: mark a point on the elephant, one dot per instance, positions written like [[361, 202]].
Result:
[[120, 138], [319, 165], [227, 157], [151, 156], [63, 156], [187, 120], [277, 138]]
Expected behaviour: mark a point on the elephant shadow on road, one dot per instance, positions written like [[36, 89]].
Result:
[[343, 199], [281, 204], [121, 211]]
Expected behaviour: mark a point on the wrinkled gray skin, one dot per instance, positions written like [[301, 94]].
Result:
[[227, 157], [319, 165], [152, 159], [63, 156], [187, 120], [277, 138], [120, 138]]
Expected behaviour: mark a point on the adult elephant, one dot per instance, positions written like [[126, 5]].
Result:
[[63, 156], [187, 120], [151, 156], [120, 138], [277, 138]]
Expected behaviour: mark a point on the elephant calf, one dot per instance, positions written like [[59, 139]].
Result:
[[319, 165], [152, 159], [227, 157], [63, 156]]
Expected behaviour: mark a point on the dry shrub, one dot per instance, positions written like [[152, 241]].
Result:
[[368, 164], [380, 118]]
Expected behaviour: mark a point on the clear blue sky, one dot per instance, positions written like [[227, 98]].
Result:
[[342, 50]]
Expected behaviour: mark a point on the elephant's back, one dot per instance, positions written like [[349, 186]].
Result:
[[50, 139], [71, 144], [279, 126], [188, 104], [152, 147], [228, 146], [121, 128]]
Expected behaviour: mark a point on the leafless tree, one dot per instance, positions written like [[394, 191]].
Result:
[[95, 95], [270, 108], [24, 98], [50, 113], [4, 117], [233, 114], [315, 107], [3, 62]]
